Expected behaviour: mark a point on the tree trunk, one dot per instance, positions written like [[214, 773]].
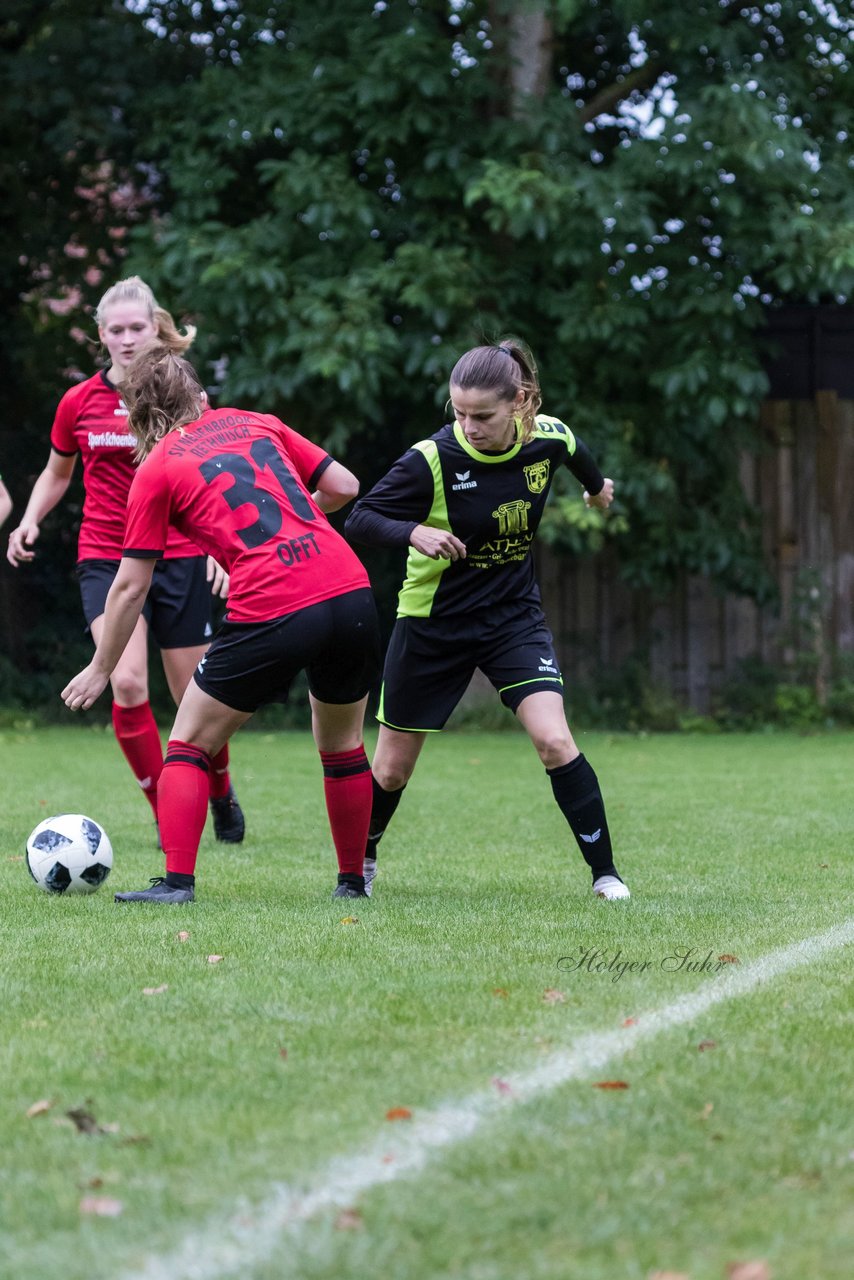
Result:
[[530, 51]]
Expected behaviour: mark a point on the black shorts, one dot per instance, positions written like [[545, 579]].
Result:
[[430, 662], [178, 607], [336, 642]]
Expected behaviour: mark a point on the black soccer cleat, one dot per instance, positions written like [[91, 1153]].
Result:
[[159, 891], [228, 820], [349, 886]]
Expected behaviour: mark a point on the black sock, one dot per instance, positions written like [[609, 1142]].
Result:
[[382, 811], [576, 790], [177, 880]]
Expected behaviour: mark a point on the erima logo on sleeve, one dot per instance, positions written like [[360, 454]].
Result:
[[463, 481]]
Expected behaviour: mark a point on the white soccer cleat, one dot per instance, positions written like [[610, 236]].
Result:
[[610, 888], [370, 872]]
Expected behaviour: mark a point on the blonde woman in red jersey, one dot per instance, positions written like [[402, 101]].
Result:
[[91, 421], [253, 493]]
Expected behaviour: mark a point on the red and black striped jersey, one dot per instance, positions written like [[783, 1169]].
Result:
[[91, 419], [239, 483]]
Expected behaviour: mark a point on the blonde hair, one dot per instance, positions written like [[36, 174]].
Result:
[[505, 367], [135, 291], [162, 392]]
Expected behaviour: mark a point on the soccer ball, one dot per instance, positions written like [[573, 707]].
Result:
[[69, 854]]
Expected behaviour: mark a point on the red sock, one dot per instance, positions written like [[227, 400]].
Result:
[[139, 739], [219, 778], [348, 790], [183, 804]]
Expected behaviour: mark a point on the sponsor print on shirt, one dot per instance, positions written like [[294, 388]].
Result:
[[111, 440]]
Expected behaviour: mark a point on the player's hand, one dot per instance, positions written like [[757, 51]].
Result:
[[438, 544], [218, 578], [603, 498], [81, 692], [20, 543]]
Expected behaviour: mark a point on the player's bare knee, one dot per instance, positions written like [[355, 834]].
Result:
[[128, 689], [555, 750], [392, 775]]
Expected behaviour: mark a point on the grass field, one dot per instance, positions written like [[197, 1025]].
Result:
[[413, 1093]]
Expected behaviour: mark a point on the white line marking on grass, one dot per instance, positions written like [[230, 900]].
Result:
[[226, 1247]]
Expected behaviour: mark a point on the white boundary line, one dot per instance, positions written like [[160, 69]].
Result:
[[233, 1247]]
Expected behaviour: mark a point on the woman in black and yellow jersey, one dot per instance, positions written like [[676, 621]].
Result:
[[467, 503]]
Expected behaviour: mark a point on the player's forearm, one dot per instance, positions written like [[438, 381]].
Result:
[[48, 491], [124, 605], [375, 530], [583, 466]]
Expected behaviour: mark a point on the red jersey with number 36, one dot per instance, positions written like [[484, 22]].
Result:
[[91, 419], [238, 484]]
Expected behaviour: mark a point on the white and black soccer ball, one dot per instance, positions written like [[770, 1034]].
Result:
[[69, 854]]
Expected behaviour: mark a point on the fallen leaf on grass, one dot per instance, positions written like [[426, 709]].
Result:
[[39, 1108], [500, 991], [706, 1044], [630, 1022], [283, 1053], [350, 920], [349, 1220], [610, 1084], [183, 936], [758, 1270], [155, 991], [101, 1206], [707, 1110], [823, 866], [388, 1158], [84, 1121], [215, 959], [398, 1113], [506, 1090], [728, 959], [551, 995], [16, 857]]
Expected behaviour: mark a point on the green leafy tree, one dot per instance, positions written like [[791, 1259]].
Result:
[[345, 197], [351, 198]]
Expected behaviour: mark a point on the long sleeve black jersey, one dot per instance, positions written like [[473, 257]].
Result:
[[493, 502]]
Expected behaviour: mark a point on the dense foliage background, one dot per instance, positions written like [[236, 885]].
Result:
[[345, 197]]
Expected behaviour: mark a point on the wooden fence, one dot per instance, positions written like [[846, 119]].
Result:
[[693, 639]]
